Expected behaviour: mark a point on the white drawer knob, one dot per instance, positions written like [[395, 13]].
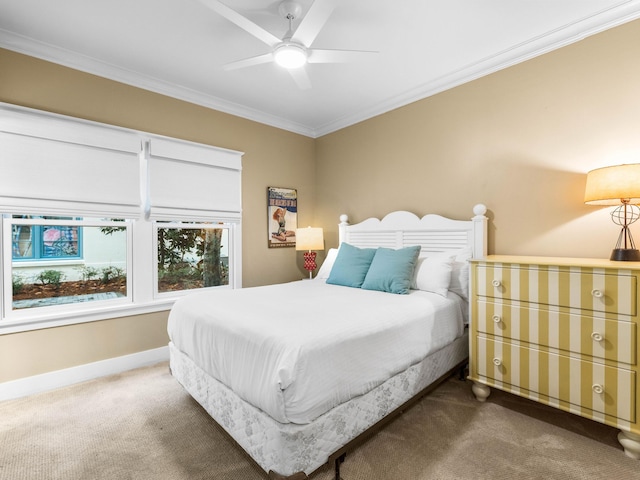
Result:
[[496, 283], [597, 337], [497, 318], [497, 362], [597, 293], [599, 389]]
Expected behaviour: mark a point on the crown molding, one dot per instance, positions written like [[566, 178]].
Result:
[[83, 63], [552, 40]]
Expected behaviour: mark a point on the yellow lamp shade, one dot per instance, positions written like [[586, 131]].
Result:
[[309, 238], [613, 185]]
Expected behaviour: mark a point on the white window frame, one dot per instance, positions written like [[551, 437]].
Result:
[[157, 154], [37, 314]]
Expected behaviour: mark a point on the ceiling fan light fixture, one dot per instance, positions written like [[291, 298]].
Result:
[[290, 55]]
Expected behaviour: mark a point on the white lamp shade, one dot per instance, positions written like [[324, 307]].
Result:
[[309, 238], [610, 185]]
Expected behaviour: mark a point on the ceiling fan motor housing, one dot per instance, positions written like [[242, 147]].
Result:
[[290, 9]]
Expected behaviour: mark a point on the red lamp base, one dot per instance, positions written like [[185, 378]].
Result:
[[310, 262]]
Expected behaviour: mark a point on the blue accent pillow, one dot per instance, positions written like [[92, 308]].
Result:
[[351, 265], [392, 270]]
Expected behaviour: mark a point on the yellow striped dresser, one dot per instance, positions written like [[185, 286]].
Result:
[[560, 331]]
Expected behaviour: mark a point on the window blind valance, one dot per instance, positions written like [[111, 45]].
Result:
[[45, 125], [53, 164]]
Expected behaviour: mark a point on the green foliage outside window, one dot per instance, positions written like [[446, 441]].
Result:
[[190, 258], [50, 277]]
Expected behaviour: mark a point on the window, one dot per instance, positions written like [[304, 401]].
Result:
[[191, 256], [47, 267], [179, 205]]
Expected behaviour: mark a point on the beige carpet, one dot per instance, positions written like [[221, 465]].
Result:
[[142, 425]]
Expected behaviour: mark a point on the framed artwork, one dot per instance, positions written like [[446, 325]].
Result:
[[282, 216]]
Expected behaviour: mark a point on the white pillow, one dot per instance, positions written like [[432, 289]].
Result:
[[460, 273], [433, 274], [325, 268]]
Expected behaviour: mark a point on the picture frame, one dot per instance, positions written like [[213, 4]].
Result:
[[282, 216]]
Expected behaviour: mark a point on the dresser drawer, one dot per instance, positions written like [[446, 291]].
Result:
[[588, 289], [569, 383], [581, 334]]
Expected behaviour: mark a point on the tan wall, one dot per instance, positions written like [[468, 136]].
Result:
[[273, 157], [520, 140]]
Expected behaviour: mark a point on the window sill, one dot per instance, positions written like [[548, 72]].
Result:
[[63, 318], [48, 263]]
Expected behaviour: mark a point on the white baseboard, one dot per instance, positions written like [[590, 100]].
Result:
[[61, 378]]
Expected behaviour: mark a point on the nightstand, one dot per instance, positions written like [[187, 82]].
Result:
[[560, 331]]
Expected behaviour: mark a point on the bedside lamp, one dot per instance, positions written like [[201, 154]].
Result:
[[309, 239], [618, 185]]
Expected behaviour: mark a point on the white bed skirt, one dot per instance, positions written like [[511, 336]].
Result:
[[290, 448]]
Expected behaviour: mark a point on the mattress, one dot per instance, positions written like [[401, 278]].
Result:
[[297, 350]]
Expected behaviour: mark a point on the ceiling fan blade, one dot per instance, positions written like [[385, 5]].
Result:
[[313, 21], [337, 56], [301, 78], [243, 22], [249, 62]]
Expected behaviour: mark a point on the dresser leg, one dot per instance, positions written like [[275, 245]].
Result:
[[481, 391], [631, 444]]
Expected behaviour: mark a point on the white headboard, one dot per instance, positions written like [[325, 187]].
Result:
[[433, 233]]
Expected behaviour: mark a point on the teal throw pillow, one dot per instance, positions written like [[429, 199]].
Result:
[[392, 270], [351, 265]]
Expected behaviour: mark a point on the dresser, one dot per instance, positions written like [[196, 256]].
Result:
[[560, 331]]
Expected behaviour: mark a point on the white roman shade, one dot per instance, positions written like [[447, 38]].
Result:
[[53, 164], [193, 182], [58, 165]]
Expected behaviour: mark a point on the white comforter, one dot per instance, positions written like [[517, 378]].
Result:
[[298, 349]]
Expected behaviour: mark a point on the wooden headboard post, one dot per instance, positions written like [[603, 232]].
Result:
[[480, 231], [342, 228], [433, 233]]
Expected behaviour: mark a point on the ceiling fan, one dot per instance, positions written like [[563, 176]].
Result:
[[294, 49]]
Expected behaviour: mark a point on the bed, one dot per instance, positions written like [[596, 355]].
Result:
[[297, 373]]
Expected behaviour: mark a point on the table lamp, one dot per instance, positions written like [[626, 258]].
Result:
[[618, 185], [309, 239]]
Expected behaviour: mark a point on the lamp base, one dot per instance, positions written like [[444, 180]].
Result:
[[625, 255], [310, 262]]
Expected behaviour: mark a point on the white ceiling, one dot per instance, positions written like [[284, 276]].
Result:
[[178, 47]]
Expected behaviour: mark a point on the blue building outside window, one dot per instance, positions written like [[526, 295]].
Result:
[[46, 242]]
